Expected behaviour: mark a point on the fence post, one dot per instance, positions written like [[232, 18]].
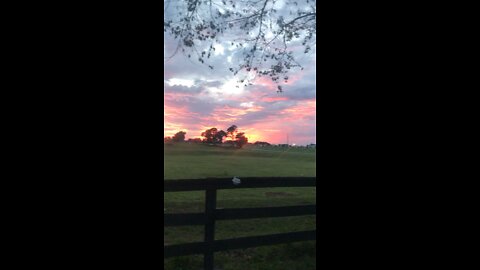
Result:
[[210, 206]]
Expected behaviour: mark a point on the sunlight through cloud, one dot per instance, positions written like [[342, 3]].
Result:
[[182, 82]]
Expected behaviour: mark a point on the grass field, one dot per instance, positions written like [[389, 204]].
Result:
[[184, 161]]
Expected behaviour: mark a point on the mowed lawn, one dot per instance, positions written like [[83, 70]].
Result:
[[190, 161]]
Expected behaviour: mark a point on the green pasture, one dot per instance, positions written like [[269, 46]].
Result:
[[199, 161], [191, 161]]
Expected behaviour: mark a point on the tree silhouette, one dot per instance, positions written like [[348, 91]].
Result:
[[209, 135], [214, 136], [264, 31], [231, 131], [179, 136], [241, 140], [218, 138]]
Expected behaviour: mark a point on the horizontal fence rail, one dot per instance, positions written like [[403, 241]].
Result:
[[238, 243], [212, 214], [238, 213], [227, 183]]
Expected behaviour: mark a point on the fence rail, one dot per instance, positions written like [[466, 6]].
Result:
[[209, 246]]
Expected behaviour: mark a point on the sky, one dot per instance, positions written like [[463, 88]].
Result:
[[197, 98]]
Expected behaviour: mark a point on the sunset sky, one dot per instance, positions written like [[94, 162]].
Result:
[[198, 98]]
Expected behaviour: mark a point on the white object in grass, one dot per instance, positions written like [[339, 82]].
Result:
[[236, 181]]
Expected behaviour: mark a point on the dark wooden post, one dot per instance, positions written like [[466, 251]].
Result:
[[210, 206]]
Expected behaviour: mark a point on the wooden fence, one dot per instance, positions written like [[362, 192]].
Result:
[[209, 246]]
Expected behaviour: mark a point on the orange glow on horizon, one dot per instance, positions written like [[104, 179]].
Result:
[[272, 129], [184, 112]]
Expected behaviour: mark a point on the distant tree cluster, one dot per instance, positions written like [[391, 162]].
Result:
[[213, 135], [195, 140], [232, 137], [259, 143], [178, 137]]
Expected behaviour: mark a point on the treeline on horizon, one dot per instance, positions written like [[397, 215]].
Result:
[[232, 137]]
